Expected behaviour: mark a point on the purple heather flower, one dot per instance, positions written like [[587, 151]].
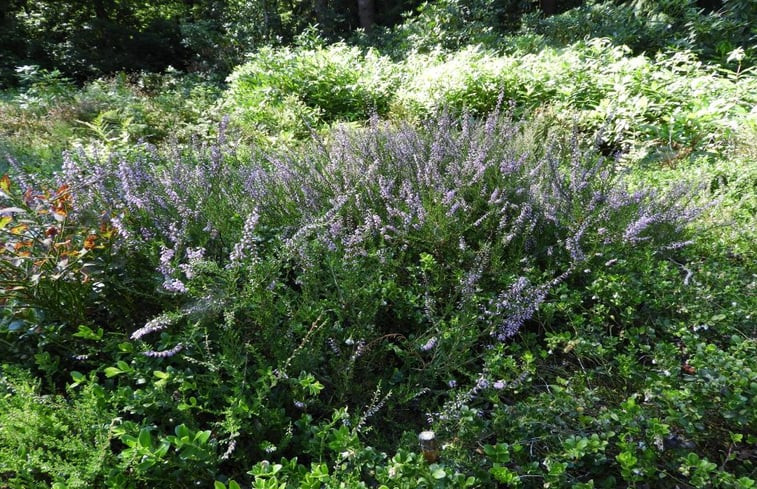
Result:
[[633, 231], [430, 344], [164, 353], [333, 346], [482, 383], [246, 245], [166, 255], [232, 446], [518, 305], [175, 285], [156, 324]]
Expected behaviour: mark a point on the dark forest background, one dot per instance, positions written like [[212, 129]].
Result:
[[90, 38]]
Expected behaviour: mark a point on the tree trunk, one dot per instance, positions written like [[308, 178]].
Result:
[[101, 11], [321, 13], [549, 7], [366, 11]]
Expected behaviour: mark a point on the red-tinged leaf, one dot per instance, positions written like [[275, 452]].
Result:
[[22, 244], [62, 190], [89, 242], [29, 196], [688, 369]]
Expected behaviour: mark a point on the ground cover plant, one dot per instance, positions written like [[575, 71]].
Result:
[[541, 248], [48, 114]]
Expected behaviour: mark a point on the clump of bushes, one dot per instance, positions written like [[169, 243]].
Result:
[[51, 440], [435, 251], [48, 114], [653, 27], [285, 90], [668, 103], [419, 249], [666, 108]]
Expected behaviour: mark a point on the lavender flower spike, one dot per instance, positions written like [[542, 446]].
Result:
[[156, 324], [430, 344], [164, 353]]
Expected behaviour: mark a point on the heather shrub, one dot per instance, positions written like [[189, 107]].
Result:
[[417, 249], [453, 242], [632, 363]]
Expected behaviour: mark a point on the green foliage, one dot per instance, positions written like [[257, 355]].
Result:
[[667, 107], [664, 108], [86, 40], [52, 440], [48, 116], [286, 318], [287, 92], [651, 27], [454, 24]]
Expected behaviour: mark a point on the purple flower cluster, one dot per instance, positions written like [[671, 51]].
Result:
[[430, 344], [156, 324], [245, 247], [496, 217], [164, 353]]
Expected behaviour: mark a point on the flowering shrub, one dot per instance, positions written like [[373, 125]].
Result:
[[415, 248], [205, 314]]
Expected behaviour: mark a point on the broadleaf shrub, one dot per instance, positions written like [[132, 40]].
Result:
[[316, 85], [667, 104], [651, 27], [47, 255]]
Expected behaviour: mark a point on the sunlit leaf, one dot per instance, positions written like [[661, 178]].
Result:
[[5, 183]]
